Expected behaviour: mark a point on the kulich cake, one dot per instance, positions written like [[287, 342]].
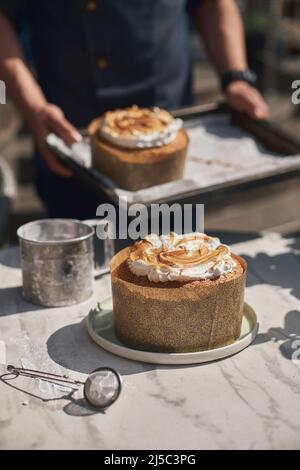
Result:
[[139, 147], [178, 293]]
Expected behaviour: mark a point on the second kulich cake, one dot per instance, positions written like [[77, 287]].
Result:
[[178, 293], [139, 147]]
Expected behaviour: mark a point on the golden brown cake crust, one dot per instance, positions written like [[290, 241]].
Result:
[[139, 156], [175, 316], [135, 169]]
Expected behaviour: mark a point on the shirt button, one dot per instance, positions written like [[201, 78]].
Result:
[[91, 6], [102, 64]]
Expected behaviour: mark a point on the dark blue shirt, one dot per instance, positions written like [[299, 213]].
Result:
[[91, 56]]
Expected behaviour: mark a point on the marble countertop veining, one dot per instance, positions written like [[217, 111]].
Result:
[[247, 401]]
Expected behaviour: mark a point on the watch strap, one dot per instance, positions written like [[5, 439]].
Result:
[[246, 75]]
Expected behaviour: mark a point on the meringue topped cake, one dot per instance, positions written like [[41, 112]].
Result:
[[139, 147], [178, 293]]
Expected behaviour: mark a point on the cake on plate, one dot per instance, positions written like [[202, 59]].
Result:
[[139, 147], [178, 293]]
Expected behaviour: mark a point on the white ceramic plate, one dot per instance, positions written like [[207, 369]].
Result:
[[100, 326]]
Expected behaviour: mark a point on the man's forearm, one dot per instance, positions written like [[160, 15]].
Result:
[[221, 26], [20, 82]]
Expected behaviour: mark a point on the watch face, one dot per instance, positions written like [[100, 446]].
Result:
[[250, 76], [234, 75]]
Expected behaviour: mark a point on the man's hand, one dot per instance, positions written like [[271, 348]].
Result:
[[42, 117], [50, 118], [222, 30], [243, 97]]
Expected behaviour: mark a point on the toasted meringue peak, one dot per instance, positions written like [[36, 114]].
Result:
[[173, 257], [139, 127]]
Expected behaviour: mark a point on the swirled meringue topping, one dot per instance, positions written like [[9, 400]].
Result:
[[139, 127], [187, 257]]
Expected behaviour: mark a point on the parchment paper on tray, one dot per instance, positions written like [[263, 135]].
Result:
[[219, 154]]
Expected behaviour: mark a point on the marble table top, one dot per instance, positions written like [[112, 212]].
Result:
[[247, 401]]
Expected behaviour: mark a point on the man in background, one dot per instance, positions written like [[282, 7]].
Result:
[[92, 56]]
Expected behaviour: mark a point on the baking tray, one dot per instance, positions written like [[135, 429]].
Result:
[[229, 152]]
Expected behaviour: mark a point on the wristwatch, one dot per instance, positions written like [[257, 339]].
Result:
[[246, 75]]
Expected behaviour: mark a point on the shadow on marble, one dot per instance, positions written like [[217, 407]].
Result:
[[80, 408], [12, 302], [75, 407], [288, 337], [281, 270], [231, 237], [295, 242], [72, 348], [10, 257]]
